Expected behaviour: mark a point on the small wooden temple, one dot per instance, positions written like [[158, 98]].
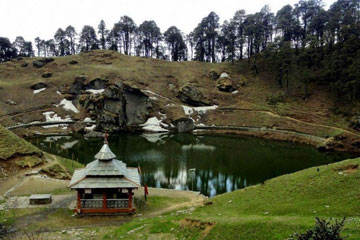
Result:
[[105, 185]]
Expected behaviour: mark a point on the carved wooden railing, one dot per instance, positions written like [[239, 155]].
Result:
[[110, 203]]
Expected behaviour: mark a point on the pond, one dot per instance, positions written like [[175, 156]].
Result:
[[211, 164]]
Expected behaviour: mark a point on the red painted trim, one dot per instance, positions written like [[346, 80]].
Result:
[[104, 200], [107, 210]]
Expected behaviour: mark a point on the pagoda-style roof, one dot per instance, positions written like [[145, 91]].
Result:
[[105, 172], [105, 153], [106, 168]]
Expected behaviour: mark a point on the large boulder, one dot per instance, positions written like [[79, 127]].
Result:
[[225, 85], [192, 96], [213, 75], [46, 75], [77, 85], [184, 125], [41, 62], [38, 85], [11, 102]]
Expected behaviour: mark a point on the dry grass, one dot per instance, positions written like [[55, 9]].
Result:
[[157, 75]]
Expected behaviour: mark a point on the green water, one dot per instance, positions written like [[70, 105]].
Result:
[[222, 163]]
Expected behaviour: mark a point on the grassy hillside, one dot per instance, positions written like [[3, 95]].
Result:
[[11, 145], [18, 156], [273, 210], [259, 101]]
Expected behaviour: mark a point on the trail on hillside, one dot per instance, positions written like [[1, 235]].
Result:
[[288, 118]]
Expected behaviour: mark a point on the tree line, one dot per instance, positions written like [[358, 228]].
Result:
[[300, 43]]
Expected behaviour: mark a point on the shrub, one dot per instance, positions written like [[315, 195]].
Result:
[[323, 230]]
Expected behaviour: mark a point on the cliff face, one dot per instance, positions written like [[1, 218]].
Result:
[[121, 92], [118, 108]]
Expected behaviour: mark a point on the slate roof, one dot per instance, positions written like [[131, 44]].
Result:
[[107, 172], [106, 168], [105, 153], [100, 182]]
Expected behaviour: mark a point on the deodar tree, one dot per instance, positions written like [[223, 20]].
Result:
[[174, 39], [88, 39]]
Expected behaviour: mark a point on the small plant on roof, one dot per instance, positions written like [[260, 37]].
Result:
[[323, 230]]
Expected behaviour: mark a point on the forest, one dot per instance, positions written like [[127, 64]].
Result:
[[298, 44]]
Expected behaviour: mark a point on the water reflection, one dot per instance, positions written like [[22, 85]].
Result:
[[221, 163]]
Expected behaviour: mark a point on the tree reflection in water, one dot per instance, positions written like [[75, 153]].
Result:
[[223, 163]]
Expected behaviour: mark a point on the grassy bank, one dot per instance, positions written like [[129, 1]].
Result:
[[11, 145], [19, 157], [273, 210]]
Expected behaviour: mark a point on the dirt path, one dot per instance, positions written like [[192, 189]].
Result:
[[56, 161], [10, 184], [195, 199]]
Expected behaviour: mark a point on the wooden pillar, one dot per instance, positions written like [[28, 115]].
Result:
[[130, 198], [104, 199], [78, 200]]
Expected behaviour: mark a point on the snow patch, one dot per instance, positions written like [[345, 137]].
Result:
[[39, 90], [88, 120], [91, 128], [53, 117], [68, 105], [59, 93], [235, 92], [153, 125], [202, 110], [95, 91], [224, 75]]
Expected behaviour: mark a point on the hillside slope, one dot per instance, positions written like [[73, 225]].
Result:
[[18, 158], [255, 103]]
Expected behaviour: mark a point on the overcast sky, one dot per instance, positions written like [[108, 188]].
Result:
[[32, 18]]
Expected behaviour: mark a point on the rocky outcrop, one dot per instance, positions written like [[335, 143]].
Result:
[[355, 123], [41, 62], [11, 102], [192, 96], [46, 75], [73, 62], [97, 83], [225, 84], [38, 85], [213, 75], [80, 84], [94, 134], [184, 125], [120, 107], [77, 85]]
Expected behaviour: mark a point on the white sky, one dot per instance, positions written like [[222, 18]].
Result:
[[32, 18]]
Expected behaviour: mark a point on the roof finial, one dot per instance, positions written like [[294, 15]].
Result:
[[106, 138]]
